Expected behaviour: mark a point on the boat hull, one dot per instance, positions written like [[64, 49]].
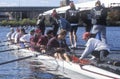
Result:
[[88, 70]]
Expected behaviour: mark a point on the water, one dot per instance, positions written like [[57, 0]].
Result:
[[28, 69]]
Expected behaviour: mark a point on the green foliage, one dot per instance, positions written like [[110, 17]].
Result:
[[20, 22], [113, 17]]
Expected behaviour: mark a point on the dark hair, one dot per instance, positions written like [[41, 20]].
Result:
[[62, 32], [23, 30], [98, 3], [72, 5], [92, 35]]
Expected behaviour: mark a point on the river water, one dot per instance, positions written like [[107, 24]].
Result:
[[27, 69]]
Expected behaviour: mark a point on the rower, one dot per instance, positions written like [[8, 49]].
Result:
[[25, 39], [39, 41], [57, 46], [35, 39], [13, 35], [42, 43], [9, 34], [19, 35], [95, 47]]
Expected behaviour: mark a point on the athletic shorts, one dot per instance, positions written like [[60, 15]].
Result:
[[74, 29]]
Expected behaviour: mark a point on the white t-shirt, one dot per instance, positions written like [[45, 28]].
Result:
[[9, 35], [16, 38], [26, 38], [92, 45], [13, 35]]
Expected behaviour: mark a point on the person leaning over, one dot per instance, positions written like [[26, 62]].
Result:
[[54, 22], [95, 47], [42, 43], [63, 24], [57, 46], [35, 39]]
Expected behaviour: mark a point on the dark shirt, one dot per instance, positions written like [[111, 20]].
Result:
[[42, 41], [54, 43], [33, 42], [102, 19], [72, 15], [41, 22]]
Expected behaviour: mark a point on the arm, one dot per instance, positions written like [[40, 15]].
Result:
[[66, 15], [89, 48], [32, 42]]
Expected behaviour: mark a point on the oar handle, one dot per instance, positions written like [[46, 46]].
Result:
[[4, 41], [2, 45], [5, 45], [13, 49], [15, 60], [35, 55]]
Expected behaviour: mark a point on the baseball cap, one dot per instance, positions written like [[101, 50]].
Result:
[[86, 35]]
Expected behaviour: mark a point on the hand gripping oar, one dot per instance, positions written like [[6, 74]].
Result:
[[23, 58], [13, 49]]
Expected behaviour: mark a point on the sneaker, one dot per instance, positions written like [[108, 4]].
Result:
[[72, 46], [75, 45], [93, 58]]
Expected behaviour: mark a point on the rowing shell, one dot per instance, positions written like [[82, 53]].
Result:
[[88, 70]]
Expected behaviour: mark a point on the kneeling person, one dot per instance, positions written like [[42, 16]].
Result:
[[94, 47]]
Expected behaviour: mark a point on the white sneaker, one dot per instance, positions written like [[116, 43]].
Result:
[[75, 45], [72, 46], [93, 57]]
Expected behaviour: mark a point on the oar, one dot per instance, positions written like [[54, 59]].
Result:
[[2, 45], [7, 44], [13, 49], [23, 58], [4, 41]]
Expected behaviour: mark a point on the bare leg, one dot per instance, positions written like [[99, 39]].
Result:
[[71, 38], [56, 55], [59, 56], [75, 38], [66, 57]]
